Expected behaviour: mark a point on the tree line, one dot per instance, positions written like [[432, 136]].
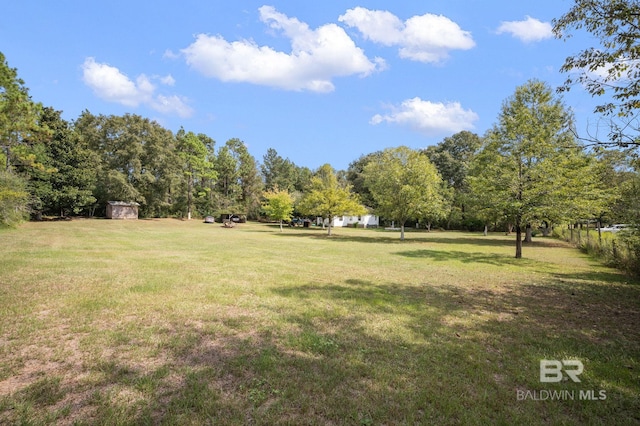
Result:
[[530, 172]]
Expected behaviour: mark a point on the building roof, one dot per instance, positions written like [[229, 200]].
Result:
[[123, 203]]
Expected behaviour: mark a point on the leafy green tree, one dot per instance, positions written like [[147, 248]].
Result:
[[18, 116], [355, 177], [278, 205], [239, 185], [206, 200], [303, 179], [611, 68], [227, 185], [327, 198], [250, 181], [405, 185], [629, 205], [66, 184], [14, 199], [453, 158], [137, 160], [581, 189], [519, 169], [278, 172], [196, 166]]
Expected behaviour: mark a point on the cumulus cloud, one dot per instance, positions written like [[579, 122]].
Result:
[[528, 31], [426, 38], [430, 118], [316, 57], [110, 84]]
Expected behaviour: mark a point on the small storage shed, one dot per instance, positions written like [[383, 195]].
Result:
[[122, 210]]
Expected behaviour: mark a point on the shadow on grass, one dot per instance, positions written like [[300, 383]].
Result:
[[466, 257], [368, 236], [385, 237], [613, 276], [363, 352]]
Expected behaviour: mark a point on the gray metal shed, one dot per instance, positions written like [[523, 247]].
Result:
[[122, 210]]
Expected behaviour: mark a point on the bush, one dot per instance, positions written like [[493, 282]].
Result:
[[632, 242], [621, 250]]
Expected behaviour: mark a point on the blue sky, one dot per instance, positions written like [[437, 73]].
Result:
[[320, 82]]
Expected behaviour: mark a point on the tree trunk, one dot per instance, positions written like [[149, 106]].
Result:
[[528, 234], [8, 159], [599, 234], [402, 232], [588, 236], [518, 242], [281, 230], [189, 189], [571, 232], [486, 230], [330, 223]]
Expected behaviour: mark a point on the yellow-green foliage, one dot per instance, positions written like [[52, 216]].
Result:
[[278, 204]]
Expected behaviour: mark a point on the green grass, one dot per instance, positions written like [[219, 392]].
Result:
[[176, 322]]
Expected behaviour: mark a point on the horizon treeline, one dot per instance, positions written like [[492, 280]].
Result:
[[53, 167]]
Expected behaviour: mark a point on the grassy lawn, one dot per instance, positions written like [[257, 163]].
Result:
[[175, 322]]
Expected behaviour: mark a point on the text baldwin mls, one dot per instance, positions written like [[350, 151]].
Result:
[[561, 395]]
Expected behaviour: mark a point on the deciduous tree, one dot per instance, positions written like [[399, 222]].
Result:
[[519, 169], [404, 184], [278, 205], [612, 68], [328, 198], [453, 158], [137, 160], [355, 176], [66, 184]]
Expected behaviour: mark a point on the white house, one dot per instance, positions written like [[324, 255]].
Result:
[[365, 221]]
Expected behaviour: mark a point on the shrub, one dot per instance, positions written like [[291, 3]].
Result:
[[621, 250]]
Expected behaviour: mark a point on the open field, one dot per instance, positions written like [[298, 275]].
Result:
[[175, 322]]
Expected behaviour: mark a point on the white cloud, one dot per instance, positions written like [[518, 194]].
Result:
[[528, 31], [169, 54], [168, 80], [316, 57], [428, 117], [171, 105], [110, 84], [425, 38]]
